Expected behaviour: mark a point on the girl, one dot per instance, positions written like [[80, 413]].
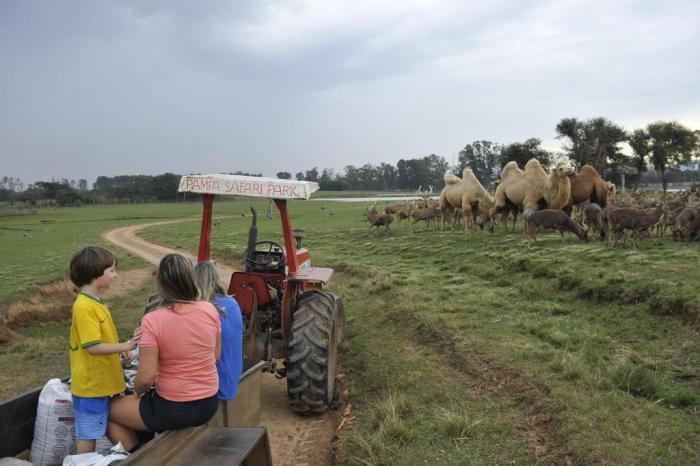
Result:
[[230, 365]]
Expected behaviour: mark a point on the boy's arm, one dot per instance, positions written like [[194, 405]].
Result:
[[115, 348], [110, 348]]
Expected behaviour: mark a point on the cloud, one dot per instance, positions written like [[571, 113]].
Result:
[[152, 86]]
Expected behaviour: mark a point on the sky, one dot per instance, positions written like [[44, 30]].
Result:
[[92, 87]]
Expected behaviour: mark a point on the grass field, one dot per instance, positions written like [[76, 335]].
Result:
[[459, 349]]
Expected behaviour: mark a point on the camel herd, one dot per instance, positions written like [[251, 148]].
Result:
[[560, 199]]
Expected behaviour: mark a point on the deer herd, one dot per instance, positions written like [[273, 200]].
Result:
[[560, 199]]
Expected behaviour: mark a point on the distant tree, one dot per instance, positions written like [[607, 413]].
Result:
[[164, 187], [284, 175], [671, 144], [368, 178], [437, 167], [330, 181], [639, 142], [595, 141], [300, 176], [482, 157], [521, 152], [387, 176], [414, 173], [311, 175], [82, 184], [10, 183], [351, 177]]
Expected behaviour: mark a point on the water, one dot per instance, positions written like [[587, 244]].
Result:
[[372, 199]]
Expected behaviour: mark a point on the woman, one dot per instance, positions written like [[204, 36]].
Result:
[[180, 343], [230, 365]]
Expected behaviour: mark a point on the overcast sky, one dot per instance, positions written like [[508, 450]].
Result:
[[92, 88]]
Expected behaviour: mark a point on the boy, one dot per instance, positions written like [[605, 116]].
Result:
[[96, 373]]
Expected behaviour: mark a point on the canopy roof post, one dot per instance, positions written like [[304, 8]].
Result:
[[292, 261], [205, 232]]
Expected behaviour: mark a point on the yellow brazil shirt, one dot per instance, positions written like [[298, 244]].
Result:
[[93, 375]]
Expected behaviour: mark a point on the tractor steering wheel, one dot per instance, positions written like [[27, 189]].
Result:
[[265, 260]]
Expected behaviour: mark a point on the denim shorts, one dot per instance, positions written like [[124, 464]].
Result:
[[160, 414], [91, 416]]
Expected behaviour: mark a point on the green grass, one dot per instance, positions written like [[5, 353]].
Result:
[[472, 349], [459, 349], [42, 353], [36, 249]]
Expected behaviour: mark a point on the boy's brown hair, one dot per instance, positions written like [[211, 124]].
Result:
[[90, 263]]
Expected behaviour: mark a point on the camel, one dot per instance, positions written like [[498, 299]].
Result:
[[533, 188], [587, 185], [468, 195]]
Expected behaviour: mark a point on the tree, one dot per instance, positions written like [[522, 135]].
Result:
[[82, 184], [284, 175], [639, 142], [595, 141], [521, 152], [300, 176], [482, 157], [311, 175], [164, 187], [670, 144], [437, 167], [387, 175]]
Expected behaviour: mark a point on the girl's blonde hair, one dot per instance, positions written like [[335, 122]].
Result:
[[207, 279], [175, 279]]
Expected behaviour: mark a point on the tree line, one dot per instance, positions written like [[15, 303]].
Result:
[[665, 146]]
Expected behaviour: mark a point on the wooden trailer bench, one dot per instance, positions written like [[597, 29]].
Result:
[[234, 427]]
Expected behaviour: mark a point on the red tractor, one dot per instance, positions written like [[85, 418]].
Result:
[[286, 313]]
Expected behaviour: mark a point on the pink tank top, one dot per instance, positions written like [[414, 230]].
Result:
[[186, 342]]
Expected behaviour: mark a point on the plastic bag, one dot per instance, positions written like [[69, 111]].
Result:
[[106, 457], [54, 429]]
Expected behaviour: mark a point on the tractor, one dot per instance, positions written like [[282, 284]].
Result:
[[287, 315]]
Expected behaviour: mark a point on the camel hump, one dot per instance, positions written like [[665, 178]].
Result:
[[590, 170], [510, 167], [452, 179], [533, 163], [468, 173]]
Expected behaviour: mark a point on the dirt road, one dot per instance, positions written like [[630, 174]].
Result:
[[295, 440]]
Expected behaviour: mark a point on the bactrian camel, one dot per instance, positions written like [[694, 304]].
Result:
[[533, 188], [468, 195]]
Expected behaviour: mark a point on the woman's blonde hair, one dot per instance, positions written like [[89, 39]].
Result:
[[207, 279], [175, 279]]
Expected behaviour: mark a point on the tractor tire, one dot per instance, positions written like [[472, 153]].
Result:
[[312, 352]]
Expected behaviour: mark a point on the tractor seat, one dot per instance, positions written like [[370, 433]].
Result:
[[248, 289]]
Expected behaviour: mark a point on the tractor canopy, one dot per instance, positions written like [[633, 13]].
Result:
[[248, 186]]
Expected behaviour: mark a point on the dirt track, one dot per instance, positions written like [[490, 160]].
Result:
[[294, 440]]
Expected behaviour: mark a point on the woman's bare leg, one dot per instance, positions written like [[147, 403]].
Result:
[[118, 433], [124, 418]]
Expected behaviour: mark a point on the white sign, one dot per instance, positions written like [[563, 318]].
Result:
[[249, 186]]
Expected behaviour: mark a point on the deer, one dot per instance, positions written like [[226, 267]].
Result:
[[377, 220], [550, 219], [425, 210], [638, 221]]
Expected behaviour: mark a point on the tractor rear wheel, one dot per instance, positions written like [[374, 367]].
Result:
[[313, 344]]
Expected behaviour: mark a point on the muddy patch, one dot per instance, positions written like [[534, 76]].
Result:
[[53, 302]]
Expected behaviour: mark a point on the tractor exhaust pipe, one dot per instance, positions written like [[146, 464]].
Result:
[[252, 234]]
